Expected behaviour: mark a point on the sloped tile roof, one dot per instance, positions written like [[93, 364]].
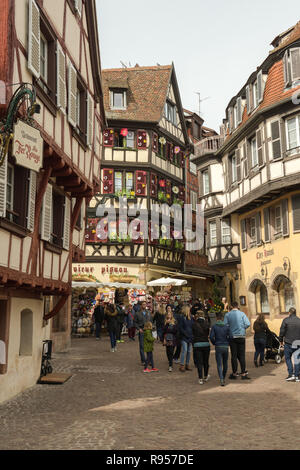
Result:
[[146, 92], [291, 37]]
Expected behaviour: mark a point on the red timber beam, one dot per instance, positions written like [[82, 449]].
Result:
[[57, 308]]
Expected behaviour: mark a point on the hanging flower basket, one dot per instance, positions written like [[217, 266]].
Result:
[[176, 150], [162, 141], [175, 189]]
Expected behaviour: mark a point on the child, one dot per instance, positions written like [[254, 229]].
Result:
[[219, 336], [148, 347]]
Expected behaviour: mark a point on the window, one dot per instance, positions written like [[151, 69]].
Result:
[[26, 333], [213, 233], [254, 156], [234, 168], [293, 132], [291, 66], [226, 234], [124, 141], [253, 230], [278, 220], [170, 113], [129, 184], [264, 301], [17, 188], [255, 95], [58, 203], [118, 181], [81, 110], [118, 99], [194, 200], [43, 58], [205, 176]]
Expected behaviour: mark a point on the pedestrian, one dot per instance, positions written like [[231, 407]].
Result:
[[141, 317], [220, 336], [201, 346], [130, 324], [110, 314], [177, 315], [148, 347], [197, 305], [185, 327], [290, 335], [225, 303], [169, 337], [261, 329], [159, 320], [120, 319], [99, 318], [238, 323]]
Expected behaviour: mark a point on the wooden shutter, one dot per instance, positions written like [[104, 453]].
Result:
[[90, 119], [272, 222], [3, 187], [267, 224], [238, 165], [31, 200], [78, 7], [285, 217], [260, 86], [141, 183], [276, 144], [141, 139], [230, 119], [67, 224], [72, 89], [258, 228], [248, 99], [46, 219], [108, 181], [243, 234], [153, 185], [154, 142], [295, 63], [286, 69], [246, 169], [34, 39], [61, 79], [296, 212], [108, 137], [239, 110], [259, 148]]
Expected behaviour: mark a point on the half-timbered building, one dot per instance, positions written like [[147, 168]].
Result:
[[52, 117], [258, 207], [143, 159]]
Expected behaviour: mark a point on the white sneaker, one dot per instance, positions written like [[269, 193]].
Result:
[[201, 381], [112, 350], [291, 378], [170, 369], [206, 378]]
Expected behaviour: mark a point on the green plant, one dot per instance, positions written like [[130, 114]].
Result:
[[177, 201], [162, 196], [216, 297]]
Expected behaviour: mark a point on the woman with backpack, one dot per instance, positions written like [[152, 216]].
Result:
[[261, 329], [201, 346], [169, 337], [186, 333], [110, 315]]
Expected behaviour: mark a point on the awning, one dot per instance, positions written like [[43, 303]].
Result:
[[167, 281], [187, 276]]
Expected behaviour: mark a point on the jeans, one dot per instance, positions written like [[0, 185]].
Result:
[[160, 335], [119, 331], [113, 339], [141, 344], [185, 352], [149, 360], [170, 354], [98, 329], [288, 352], [260, 345], [222, 361], [238, 353], [201, 358]]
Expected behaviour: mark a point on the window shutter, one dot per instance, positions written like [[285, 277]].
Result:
[[31, 200], [67, 224], [78, 7], [276, 145], [153, 185], [229, 161], [296, 212], [260, 86], [286, 69], [259, 148], [285, 217], [267, 224], [258, 228], [72, 88], [61, 78], [246, 171], [239, 110], [272, 222], [46, 219], [3, 187], [295, 63], [141, 139], [141, 183], [230, 119], [248, 99], [108, 137], [238, 165], [154, 142], [108, 181], [34, 39], [243, 234], [90, 116]]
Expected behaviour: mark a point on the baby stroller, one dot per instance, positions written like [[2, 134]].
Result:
[[273, 348], [46, 367]]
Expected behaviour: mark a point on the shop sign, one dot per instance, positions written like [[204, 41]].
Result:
[[112, 269], [265, 254], [83, 269], [27, 146]]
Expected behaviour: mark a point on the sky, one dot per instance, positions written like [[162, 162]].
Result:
[[214, 44]]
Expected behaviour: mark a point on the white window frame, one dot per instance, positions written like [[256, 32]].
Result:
[[253, 229], [233, 168], [254, 163], [278, 228], [119, 92], [45, 59], [117, 178], [255, 96], [214, 231], [297, 119], [205, 179], [194, 198], [225, 227]]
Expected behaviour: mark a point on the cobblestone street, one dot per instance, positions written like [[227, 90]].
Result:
[[110, 404]]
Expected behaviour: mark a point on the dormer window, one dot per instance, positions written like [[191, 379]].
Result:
[[118, 99], [291, 66], [170, 113]]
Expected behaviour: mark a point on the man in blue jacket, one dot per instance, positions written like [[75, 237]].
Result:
[[238, 323], [220, 337]]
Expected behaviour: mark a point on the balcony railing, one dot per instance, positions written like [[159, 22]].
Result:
[[208, 145], [223, 254]]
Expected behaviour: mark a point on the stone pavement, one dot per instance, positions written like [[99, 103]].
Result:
[[110, 404]]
